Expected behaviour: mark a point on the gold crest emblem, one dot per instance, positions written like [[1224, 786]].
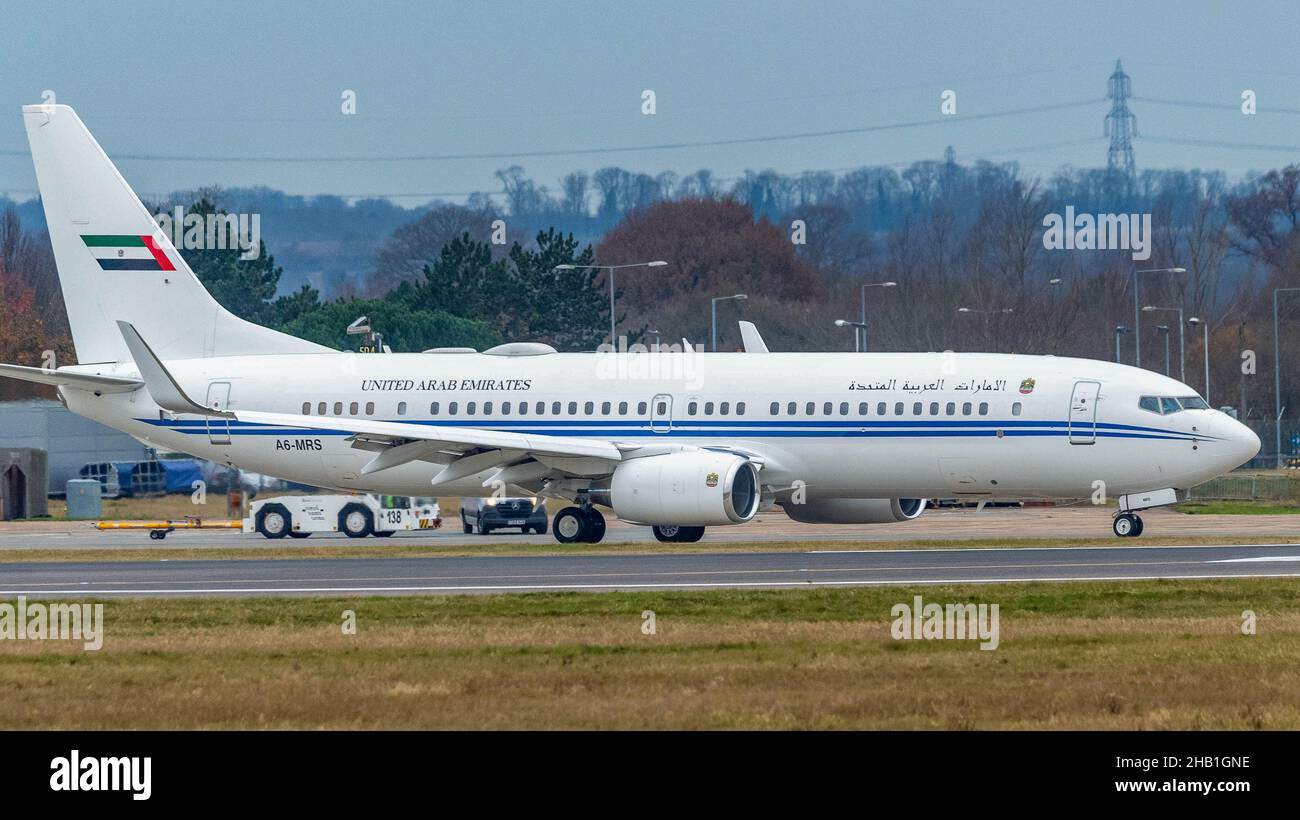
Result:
[[711, 480], [1027, 386]]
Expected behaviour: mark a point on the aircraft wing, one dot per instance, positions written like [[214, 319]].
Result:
[[468, 449]]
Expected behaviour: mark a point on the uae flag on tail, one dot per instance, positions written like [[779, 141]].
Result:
[[126, 252]]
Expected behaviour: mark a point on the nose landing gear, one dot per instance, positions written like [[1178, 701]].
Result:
[[1127, 525]]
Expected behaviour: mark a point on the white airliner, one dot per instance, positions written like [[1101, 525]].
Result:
[[678, 441]]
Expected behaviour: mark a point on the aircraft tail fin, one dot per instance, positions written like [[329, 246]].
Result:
[[116, 264]]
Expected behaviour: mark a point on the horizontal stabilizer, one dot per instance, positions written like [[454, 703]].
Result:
[[67, 378]]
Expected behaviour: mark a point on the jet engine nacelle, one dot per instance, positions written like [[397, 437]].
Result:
[[855, 510], [689, 489]]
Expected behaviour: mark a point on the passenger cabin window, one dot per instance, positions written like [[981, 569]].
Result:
[[662, 408], [320, 409], [471, 407], [640, 408], [401, 408], [826, 409], [370, 408], [965, 408], [863, 408], [338, 408], [934, 408], [1015, 409], [951, 409], [881, 408], [708, 408], [352, 408], [452, 407], [740, 408], [810, 408], [844, 408], [984, 408], [573, 408], [791, 409], [433, 408], [505, 408], [555, 408], [724, 408], [691, 408], [589, 408], [775, 408], [898, 408], [604, 408], [306, 408], [916, 408], [622, 408]]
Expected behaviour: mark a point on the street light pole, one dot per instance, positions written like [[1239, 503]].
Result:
[[1137, 320], [1165, 330], [713, 306], [1119, 329], [986, 314], [658, 263], [1277, 379], [1182, 364], [857, 326], [1205, 329], [862, 328]]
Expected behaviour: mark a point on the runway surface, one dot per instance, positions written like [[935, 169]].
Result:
[[944, 524], [456, 575]]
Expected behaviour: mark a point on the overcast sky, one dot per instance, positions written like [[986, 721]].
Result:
[[237, 80]]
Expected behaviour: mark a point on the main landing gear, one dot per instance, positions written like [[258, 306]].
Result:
[[578, 524], [1127, 525], [678, 534]]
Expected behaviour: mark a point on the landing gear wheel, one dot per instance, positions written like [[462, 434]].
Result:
[[1127, 525], [689, 535], [595, 526], [570, 525], [356, 521], [677, 534], [666, 534]]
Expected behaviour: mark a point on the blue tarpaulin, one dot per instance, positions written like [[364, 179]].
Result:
[[181, 474]]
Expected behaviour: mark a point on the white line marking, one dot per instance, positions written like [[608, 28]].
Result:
[[617, 586], [1263, 559]]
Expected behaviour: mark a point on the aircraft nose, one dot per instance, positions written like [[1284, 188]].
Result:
[[1243, 442]]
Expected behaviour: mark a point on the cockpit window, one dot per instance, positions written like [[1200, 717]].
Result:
[[1167, 404]]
